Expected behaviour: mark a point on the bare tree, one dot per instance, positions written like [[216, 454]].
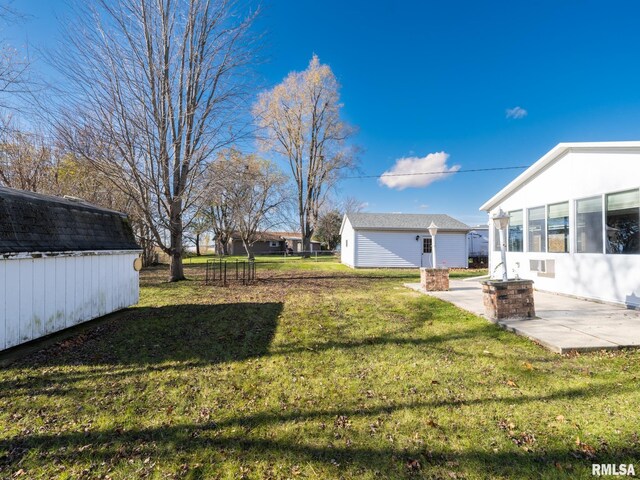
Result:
[[27, 160], [199, 225], [301, 121], [255, 193], [77, 177], [351, 205], [14, 64], [217, 204], [155, 89]]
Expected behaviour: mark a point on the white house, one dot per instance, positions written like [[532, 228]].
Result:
[[398, 240], [62, 262], [574, 222]]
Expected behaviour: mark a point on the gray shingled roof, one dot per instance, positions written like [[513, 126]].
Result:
[[31, 222], [404, 221]]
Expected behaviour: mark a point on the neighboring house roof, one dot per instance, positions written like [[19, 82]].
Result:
[[32, 222], [274, 236], [404, 221], [261, 237], [552, 156], [293, 236]]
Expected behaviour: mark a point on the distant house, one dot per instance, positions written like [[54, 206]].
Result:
[[62, 262], [398, 240], [271, 243], [575, 222]]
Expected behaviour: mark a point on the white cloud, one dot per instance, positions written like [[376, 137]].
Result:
[[516, 113], [424, 206], [405, 172]]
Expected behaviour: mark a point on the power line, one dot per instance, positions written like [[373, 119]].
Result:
[[439, 172]]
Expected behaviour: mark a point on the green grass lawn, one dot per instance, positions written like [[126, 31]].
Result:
[[321, 263], [314, 372]]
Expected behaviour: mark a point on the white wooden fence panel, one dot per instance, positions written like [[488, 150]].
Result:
[[87, 293], [26, 300], [79, 288], [49, 295], [61, 272], [120, 287], [70, 291], [12, 306], [39, 296]]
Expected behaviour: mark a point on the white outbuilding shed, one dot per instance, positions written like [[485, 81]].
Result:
[[575, 222], [62, 262], [402, 240]]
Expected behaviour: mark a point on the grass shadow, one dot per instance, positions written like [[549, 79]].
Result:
[[187, 333]]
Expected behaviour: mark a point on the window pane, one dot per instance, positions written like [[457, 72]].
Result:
[[589, 225], [537, 230], [515, 231], [427, 245], [496, 239], [559, 210], [558, 227], [622, 222]]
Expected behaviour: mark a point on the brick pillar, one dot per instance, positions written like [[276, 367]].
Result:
[[510, 299], [434, 279]]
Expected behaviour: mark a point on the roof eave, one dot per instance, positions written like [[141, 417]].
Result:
[[553, 155], [529, 173], [344, 220]]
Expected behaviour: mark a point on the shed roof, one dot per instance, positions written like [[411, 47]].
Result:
[[404, 221], [32, 222]]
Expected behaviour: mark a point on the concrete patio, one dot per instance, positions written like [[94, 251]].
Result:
[[562, 324]]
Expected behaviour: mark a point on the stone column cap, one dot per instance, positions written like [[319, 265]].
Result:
[[497, 283]]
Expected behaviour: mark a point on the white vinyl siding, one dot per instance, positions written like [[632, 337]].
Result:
[[39, 296], [451, 250], [387, 249], [383, 249]]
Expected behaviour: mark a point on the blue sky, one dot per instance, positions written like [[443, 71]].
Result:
[[424, 77]]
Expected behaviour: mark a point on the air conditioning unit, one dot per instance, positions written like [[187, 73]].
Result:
[[544, 268]]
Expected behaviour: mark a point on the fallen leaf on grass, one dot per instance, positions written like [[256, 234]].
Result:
[[511, 383], [413, 465], [432, 423], [342, 421], [587, 450]]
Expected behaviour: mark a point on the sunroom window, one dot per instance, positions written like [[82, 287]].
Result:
[[589, 225], [623, 218], [515, 231], [558, 227], [537, 230]]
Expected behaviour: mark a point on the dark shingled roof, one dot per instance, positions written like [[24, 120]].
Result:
[[31, 222], [404, 221]]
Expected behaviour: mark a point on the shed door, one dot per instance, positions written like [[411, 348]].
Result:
[[426, 257]]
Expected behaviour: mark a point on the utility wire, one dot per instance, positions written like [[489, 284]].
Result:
[[439, 172]]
